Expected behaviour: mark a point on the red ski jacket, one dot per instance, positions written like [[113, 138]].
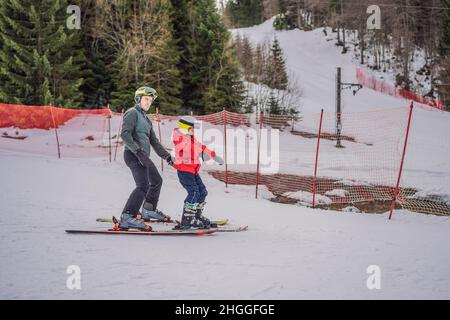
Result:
[[188, 152]]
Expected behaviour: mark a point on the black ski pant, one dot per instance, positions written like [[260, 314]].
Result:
[[148, 184]]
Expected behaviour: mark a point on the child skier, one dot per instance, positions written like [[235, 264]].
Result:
[[188, 151]]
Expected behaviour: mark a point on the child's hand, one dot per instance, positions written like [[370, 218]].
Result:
[[170, 160], [219, 160], [205, 156]]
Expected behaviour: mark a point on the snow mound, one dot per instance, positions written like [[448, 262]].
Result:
[[306, 198]]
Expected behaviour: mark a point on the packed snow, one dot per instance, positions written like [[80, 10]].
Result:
[[289, 252]]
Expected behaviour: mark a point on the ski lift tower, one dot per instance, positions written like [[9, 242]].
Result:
[[339, 87]]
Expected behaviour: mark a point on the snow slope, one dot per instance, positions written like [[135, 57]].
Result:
[[289, 252], [312, 60]]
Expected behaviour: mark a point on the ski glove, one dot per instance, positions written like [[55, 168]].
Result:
[[205, 156], [219, 160], [143, 158], [170, 160]]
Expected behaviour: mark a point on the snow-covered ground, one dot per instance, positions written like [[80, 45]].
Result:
[[289, 252]]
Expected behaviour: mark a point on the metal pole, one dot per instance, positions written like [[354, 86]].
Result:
[[158, 120], [338, 108], [401, 163], [317, 160], [259, 147], [118, 135], [109, 133], [56, 132], [225, 145]]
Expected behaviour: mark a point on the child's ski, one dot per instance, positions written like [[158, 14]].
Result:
[[232, 229]]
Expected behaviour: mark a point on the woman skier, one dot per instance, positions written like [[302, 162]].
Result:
[[138, 136]]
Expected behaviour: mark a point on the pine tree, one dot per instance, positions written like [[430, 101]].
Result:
[[247, 58], [259, 64], [244, 13], [273, 105], [98, 77], [283, 20], [211, 78], [41, 59], [219, 68], [238, 42], [183, 32], [276, 76], [445, 32]]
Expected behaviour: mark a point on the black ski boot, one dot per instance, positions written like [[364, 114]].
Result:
[[189, 220], [199, 215]]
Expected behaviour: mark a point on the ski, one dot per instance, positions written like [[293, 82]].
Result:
[[221, 225], [195, 232], [232, 229], [218, 222]]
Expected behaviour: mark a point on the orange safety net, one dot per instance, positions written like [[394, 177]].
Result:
[[57, 131]]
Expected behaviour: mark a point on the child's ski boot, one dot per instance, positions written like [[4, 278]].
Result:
[[199, 215], [189, 220]]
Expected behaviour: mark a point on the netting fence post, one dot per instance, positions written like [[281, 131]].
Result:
[[317, 160], [401, 163], [56, 132], [158, 120], [259, 148], [118, 135], [109, 133], [225, 145]]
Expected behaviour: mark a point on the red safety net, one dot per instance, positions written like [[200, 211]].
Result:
[[369, 81], [348, 162]]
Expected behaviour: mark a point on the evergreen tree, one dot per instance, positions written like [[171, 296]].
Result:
[[183, 33], [276, 76], [98, 77], [218, 62], [247, 58], [211, 78], [40, 60], [259, 64], [238, 42], [282, 20], [273, 105], [244, 13], [445, 32]]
